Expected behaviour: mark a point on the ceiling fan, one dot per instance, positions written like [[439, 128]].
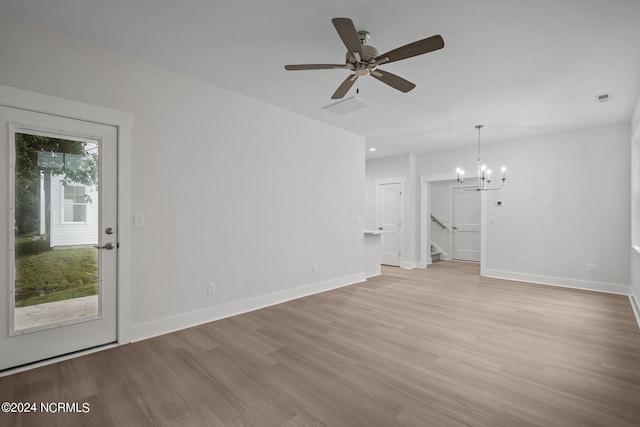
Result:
[[363, 59]]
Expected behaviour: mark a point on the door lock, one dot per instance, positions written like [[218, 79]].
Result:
[[108, 230], [107, 246]]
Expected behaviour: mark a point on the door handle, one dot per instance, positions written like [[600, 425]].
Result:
[[379, 228], [107, 246]]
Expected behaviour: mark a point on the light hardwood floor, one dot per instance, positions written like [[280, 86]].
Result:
[[435, 347]]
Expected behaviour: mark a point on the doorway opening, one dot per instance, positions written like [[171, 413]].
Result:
[[451, 222]]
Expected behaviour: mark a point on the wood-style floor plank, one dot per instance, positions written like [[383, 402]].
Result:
[[435, 347]]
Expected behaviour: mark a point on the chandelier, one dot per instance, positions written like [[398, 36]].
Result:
[[484, 175]]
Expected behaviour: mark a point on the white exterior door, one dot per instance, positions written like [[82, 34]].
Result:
[[389, 220], [58, 236], [466, 225]]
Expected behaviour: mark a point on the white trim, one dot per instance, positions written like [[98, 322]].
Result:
[[610, 288], [10, 230], [635, 304], [635, 189], [483, 234], [170, 324], [411, 231], [409, 265], [123, 122], [452, 220], [425, 232], [47, 104]]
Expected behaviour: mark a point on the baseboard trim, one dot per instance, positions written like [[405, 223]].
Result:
[[409, 265], [170, 324], [635, 305], [610, 288]]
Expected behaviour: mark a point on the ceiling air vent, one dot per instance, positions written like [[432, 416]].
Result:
[[605, 97], [346, 106]]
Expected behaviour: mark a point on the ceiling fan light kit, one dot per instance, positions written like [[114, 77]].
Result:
[[363, 59], [484, 175]]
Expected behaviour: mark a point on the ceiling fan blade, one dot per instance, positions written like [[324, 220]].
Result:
[[412, 49], [344, 87], [347, 32], [392, 80], [300, 67]]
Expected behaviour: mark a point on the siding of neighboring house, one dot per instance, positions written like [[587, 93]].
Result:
[[72, 233]]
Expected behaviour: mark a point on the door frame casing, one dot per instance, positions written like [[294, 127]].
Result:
[[401, 181], [425, 211], [123, 122]]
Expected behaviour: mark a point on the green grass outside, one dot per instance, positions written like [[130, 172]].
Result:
[[48, 276]]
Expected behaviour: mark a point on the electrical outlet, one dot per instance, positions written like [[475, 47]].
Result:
[[211, 288], [591, 268], [315, 268]]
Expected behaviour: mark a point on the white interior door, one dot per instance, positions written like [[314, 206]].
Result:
[[388, 221], [58, 236], [466, 225]]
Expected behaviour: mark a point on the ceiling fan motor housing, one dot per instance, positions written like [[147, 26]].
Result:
[[368, 53]]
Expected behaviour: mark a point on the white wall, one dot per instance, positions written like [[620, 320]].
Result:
[[565, 205], [233, 190], [635, 198]]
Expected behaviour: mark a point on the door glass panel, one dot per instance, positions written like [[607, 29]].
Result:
[[56, 230]]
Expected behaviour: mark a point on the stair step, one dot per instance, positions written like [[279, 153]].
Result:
[[435, 254]]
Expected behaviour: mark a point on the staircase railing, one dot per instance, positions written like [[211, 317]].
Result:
[[437, 221]]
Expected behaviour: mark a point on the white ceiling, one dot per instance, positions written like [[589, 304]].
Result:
[[520, 67]]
